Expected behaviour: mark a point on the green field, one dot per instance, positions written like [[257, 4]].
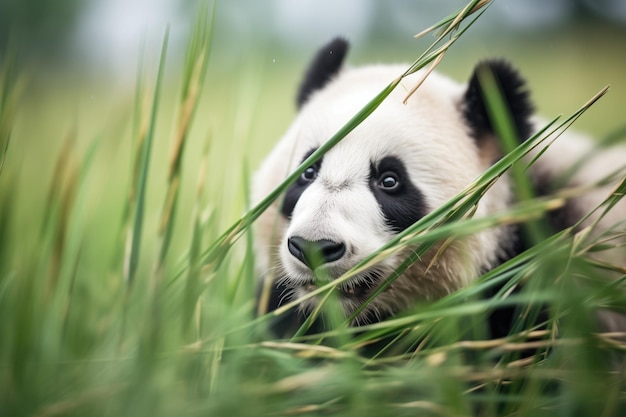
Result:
[[83, 334]]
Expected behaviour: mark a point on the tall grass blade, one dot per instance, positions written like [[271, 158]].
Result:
[[142, 179], [193, 283], [452, 22], [193, 81], [8, 100]]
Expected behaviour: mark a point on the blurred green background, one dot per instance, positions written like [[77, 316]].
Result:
[[86, 52]]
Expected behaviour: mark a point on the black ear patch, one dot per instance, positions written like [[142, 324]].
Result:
[[324, 66], [514, 91]]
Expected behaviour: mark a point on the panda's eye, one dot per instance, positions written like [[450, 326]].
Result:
[[308, 175], [389, 181]]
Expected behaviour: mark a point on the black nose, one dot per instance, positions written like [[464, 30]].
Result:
[[315, 253]]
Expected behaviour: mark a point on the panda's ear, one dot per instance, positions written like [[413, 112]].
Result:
[[326, 63], [514, 92]]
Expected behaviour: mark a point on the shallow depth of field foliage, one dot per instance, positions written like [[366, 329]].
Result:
[[127, 278]]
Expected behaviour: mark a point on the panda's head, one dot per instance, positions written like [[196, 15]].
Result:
[[398, 165]]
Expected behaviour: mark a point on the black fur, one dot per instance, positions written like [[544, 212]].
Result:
[[287, 324], [405, 205], [324, 66], [501, 320], [293, 193], [514, 91]]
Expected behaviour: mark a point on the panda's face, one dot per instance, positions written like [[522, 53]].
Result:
[[402, 162]]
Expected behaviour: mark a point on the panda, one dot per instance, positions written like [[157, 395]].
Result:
[[405, 160]]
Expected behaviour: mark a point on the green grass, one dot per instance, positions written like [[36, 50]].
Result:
[[127, 283]]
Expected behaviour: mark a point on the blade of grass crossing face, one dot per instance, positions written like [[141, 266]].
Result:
[[216, 252], [456, 230]]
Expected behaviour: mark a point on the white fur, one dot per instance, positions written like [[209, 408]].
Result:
[[433, 140]]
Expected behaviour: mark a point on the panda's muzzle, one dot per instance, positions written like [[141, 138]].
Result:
[[317, 253]]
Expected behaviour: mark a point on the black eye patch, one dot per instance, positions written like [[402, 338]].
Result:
[[401, 202], [293, 193]]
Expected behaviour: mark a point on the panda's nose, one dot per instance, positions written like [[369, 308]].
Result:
[[313, 254]]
